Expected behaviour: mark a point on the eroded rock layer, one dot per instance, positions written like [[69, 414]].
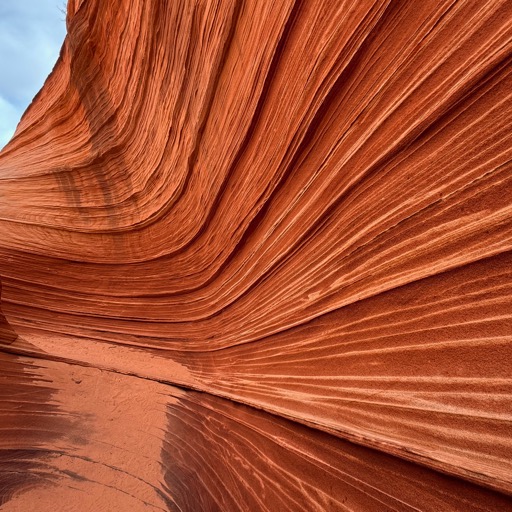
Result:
[[257, 256]]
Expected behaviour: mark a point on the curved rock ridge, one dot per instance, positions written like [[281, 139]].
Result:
[[7, 334], [258, 256]]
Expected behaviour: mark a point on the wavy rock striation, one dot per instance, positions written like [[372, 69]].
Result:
[[258, 256]]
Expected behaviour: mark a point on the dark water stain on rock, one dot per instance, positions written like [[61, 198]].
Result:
[[29, 425]]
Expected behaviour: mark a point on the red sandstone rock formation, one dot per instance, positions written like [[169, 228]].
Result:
[[257, 256]]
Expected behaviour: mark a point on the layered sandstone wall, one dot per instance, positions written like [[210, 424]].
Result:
[[257, 256]]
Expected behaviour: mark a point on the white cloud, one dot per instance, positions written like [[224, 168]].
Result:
[[31, 34]]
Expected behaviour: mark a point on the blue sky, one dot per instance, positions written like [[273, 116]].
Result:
[[31, 34]]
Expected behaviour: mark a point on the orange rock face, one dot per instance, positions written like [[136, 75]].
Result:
[[257, 256]]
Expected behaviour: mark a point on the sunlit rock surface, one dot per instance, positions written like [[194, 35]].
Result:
[[257, 256]]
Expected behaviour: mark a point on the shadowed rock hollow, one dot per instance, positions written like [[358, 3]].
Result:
[[257, 256]]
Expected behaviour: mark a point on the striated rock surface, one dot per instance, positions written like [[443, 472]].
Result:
[[257, 256]]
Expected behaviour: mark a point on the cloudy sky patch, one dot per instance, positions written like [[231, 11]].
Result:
[[31, 35]]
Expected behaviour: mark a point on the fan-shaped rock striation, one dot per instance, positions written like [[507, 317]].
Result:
[[257, 256]]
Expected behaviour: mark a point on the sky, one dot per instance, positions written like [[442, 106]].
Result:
[[31, 35]]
